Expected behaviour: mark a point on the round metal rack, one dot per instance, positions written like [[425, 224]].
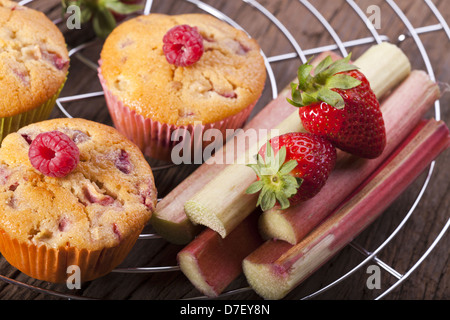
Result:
[[302, 54]]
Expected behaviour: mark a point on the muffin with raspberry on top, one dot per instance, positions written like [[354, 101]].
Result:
[[34, 62], [72, 192], [164, 73]]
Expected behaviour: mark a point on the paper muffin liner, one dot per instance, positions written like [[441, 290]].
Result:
[[42, 112], [154, 138], [51, 264]]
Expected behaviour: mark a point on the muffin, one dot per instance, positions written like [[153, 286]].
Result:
[[154, 102], [90, 217], [33, 66]]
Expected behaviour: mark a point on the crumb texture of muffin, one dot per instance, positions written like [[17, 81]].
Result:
[[33, 59], [107, 198], [228, 78]]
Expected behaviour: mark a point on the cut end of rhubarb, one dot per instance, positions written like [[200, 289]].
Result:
[[264, 281], [268, 278], [198, 214], [276, 267], [211, 262], [175, 232], [191, 269], [272, 225]]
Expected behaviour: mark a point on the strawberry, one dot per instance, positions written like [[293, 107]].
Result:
[[291, 168], [338, 103]]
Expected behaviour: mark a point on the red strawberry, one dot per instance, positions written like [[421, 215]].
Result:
[[338, 103], [292, 169]]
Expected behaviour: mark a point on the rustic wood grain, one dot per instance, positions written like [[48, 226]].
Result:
[[430, 281]]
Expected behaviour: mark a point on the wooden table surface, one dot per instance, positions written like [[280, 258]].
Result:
[[429, 281]]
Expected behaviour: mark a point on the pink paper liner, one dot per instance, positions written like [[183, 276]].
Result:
[[154, 137]]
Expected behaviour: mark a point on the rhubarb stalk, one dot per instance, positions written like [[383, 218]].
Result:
[[277, 267], [401, 112], [223, 203], [211, 263]]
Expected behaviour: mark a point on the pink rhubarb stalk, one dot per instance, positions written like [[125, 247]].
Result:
[[211, 262], [277, 267]]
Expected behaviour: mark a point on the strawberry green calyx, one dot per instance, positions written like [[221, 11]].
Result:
[[317, 87], [275, 183]]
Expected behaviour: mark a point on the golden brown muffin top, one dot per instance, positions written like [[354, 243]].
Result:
[[33, 58], [229, 76], [109, 195]]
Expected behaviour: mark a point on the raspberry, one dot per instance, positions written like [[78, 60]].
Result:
[[183, 45], [53, 154]]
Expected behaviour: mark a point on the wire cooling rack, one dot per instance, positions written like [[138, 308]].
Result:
[[302, 54]]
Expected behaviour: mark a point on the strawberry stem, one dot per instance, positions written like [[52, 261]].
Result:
[[275, 182]]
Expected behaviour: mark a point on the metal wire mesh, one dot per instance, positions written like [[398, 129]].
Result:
[[302, 54]]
